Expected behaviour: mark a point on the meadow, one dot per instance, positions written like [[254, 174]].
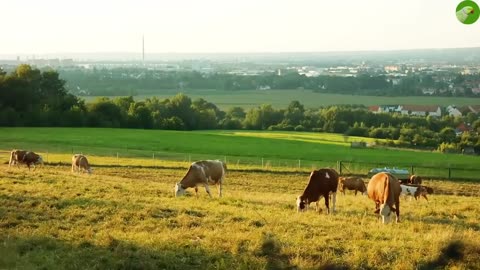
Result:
[[281, 98], [124, 217], [298, 151]]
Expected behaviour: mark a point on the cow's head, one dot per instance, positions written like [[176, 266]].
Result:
[[90, 170], [301, 204], [385, 212], [39, 160], [179, 190]]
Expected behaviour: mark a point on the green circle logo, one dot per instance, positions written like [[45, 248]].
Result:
[[467, 12]]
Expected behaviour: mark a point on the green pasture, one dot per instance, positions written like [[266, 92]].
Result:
[[281, 98], [299, 150]]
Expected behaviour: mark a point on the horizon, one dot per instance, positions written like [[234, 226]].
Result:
[[136, 56]]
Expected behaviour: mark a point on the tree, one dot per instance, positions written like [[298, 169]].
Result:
[[294, 113], [181, 106], [448, 135], [104, 113], [262, 117], [236, 113]]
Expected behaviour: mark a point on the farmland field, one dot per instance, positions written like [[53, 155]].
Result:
[[281, 98], [274, 149], [128, 218]]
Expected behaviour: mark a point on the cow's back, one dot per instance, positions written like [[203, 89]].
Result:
[[213, 169], [377, 187], [323, 180]]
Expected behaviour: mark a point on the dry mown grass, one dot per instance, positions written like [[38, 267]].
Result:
[[128, 218]]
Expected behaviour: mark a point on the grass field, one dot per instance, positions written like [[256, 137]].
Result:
[[276, 149], [128, 218], [281, 98]]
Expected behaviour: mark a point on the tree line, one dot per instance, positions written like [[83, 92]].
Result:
[[134, 81], [30, 97]]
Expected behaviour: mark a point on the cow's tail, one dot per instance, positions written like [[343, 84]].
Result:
[[386, 191], [10, 163], [224, 166]]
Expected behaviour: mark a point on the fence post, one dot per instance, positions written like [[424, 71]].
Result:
[[262, 163], [153, 157], [412, 170], [449, 173], [339, 166], [299, 164]]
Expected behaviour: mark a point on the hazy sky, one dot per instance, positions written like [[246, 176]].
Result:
[[49, 26]]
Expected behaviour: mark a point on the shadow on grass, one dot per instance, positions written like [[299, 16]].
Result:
[[272, 251], [50, 253], [454, 251]]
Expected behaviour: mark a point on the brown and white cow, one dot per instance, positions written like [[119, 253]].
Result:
[[384, 189], [351, 183], [25, 157], [415, 180], [80, 163], [415, 191], [321, 183], [202, 172]]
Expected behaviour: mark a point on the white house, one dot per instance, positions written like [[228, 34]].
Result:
[[453, 111], [421, 110]]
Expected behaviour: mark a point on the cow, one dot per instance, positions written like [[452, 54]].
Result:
[[384, 189], [415, 180], [26, 157], [203, 172], [351, 183], [415, 191], [321, 182], [79, 163]]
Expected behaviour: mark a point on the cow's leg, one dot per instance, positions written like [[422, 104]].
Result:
[[397, 211], [317, 206], [220, 189], [207, 189], [334, 202], [327, 199], [196, 191], [355, 192], [425, 196]]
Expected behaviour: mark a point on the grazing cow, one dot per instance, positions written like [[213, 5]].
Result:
[[384, 189], [321, 182], [79, 163], [415, 180], [351, 183], [26, 157], [415, 191], [202, 172]]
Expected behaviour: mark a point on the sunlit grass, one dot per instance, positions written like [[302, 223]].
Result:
[[278, 149], [122, 217]]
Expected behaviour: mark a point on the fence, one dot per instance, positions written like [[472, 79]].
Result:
[[135, 157], [362, 168]]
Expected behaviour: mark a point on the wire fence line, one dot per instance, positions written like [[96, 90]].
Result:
[[135, 157]]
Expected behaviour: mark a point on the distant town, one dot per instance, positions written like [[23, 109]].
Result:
[[451, 72]]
